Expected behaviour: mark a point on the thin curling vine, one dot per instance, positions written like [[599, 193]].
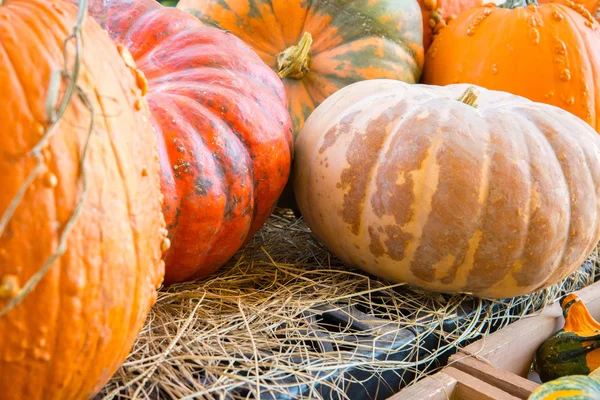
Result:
[[55, 108]]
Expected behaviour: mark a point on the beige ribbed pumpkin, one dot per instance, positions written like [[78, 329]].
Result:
[[418, 184]]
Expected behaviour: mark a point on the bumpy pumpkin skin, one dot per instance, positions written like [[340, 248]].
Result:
[[416, 187], [578, 387], [352, 41], [593, 6], [575, 349], [548, 54], [225, 136], [438, 13], [77, 326]]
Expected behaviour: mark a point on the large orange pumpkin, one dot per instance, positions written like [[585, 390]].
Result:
[[225, 136], [548, 54], [318, 47], [72, 331], [438, 13], [593, 6], [414, 184]]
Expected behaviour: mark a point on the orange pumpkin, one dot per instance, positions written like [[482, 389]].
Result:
[[547, 54], [319, 47], [438, 13], [413, 185], [224, 132], [66, 337], [593, 6]]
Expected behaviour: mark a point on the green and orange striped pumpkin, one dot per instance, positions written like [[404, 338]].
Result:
[[319, 47], [573, 350], [575, 387], [410, 184]]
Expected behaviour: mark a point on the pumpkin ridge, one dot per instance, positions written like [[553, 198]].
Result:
[[16, 14], [592, 67], [417, 231], [277, 22], [454, 266], [588, 169], [474, 239], [134, 298], [380, 30], [335, 124], [566, 244], [264, 45], [163, 85], [526, 145], [209, 114], [376, 196], [146, 18], [16, 75], [483, 194], [58, 265]]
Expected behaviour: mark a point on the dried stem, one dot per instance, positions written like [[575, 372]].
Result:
[[293, 61]]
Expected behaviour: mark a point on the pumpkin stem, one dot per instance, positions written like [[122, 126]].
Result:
[[512, 4], [469, 97], [293, 61], [577, 317]]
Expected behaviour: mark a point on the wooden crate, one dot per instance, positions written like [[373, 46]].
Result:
[[452, 384], [503, 359]]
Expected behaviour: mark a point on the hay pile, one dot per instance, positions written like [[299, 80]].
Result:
[[286, 320]]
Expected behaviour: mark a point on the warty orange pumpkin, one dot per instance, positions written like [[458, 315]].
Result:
[[95, 190], [320, 46], [438, 13], [414, 184], [593, 6], [224, 132], [546, 53]]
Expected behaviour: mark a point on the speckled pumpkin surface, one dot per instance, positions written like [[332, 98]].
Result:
[[76, 327], [576, 387], [351, 40], [547, 54], [224, 133], [410, 184]]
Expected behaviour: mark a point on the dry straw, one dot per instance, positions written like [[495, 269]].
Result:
[[286, 320]]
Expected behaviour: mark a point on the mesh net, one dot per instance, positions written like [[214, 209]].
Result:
[[285, 319]]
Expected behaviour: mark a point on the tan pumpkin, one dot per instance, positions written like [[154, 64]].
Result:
[[414, 185]]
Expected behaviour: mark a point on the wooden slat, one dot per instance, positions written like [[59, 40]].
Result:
[[512, 384], [513, 347], [452, 384], [471, 388], [439, 386]]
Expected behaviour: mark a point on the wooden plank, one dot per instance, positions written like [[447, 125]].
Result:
[[471, 388], [513, 347], [512, 384], [435, 387], [452, 384]]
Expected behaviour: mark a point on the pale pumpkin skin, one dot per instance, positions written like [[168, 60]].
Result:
[[412, 185]]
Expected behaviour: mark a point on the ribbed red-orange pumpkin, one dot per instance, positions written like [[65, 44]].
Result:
[[411, 184], [220, 115], [71, 333]]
